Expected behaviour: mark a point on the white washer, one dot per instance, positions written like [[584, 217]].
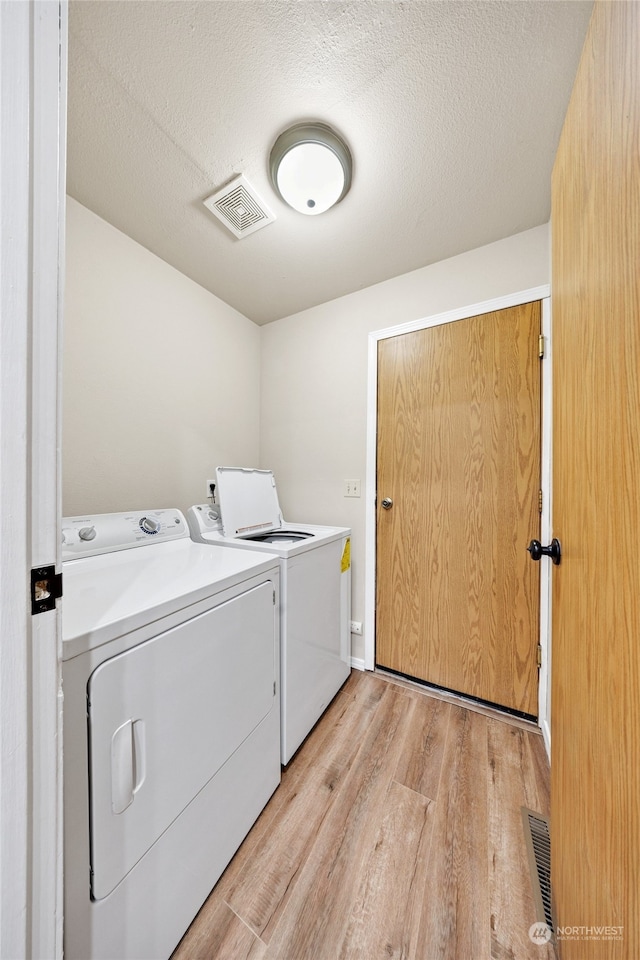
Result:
[[171, 724], [315, 590]]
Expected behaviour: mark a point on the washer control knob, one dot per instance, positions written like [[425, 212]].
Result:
[[87, 533], [149, 525]]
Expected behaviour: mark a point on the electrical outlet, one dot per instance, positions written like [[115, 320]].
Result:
[[210, 484], [351, 488], [356, 627]]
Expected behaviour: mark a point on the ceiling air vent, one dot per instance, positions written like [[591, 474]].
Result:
[[240, 208]]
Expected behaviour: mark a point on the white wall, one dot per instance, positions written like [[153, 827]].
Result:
[[314, 378], [161, 379]]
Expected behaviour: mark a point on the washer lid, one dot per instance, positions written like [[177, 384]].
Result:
[[248, 501]]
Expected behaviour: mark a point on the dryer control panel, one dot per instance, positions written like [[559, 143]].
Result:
[[106, 532]]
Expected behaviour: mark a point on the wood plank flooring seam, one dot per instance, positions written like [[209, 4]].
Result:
[[246, 924], [314, 920], [379, 921], [446, 741], [263, 895], [424, 796]]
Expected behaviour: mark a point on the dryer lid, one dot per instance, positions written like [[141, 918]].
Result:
[[248, 501]]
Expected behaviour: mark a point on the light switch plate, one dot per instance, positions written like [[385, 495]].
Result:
[[351, 488]]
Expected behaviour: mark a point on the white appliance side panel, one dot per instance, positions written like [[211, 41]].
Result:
[[165, 716], [315, 631]]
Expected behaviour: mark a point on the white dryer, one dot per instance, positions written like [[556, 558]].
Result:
[[171, 724], [315, 582]]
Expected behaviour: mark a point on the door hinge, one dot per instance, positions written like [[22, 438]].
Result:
[[541, 346], [539, 656], [274, 598], [539, 501], [46, 588]]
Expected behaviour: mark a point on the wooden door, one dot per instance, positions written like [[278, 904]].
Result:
[[457, 596], [595, 704]]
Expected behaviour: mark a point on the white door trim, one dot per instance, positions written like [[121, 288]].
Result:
[[32, 177], [462, 313], [14, 553], [544, 696]]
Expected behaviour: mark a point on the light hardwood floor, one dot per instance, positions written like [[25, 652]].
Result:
[[396, 833]]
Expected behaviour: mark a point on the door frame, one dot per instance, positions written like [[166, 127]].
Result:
[[463, 313], [33, 73]]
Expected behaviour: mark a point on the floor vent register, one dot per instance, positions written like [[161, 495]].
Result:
[[536, 831]]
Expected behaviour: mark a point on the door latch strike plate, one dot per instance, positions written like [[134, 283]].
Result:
[[539, 657], [46, 588]]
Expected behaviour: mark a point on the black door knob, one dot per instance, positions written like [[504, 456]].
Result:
[[554, 550]]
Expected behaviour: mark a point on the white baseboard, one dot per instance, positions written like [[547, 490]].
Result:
[[357, 663], [546, 736]]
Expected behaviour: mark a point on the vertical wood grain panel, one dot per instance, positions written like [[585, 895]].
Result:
[[595, 711], [459, 454]]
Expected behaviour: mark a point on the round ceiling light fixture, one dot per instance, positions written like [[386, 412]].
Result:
[[310, 167]]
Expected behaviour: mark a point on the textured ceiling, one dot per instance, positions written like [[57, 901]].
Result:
[[452, 110]]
